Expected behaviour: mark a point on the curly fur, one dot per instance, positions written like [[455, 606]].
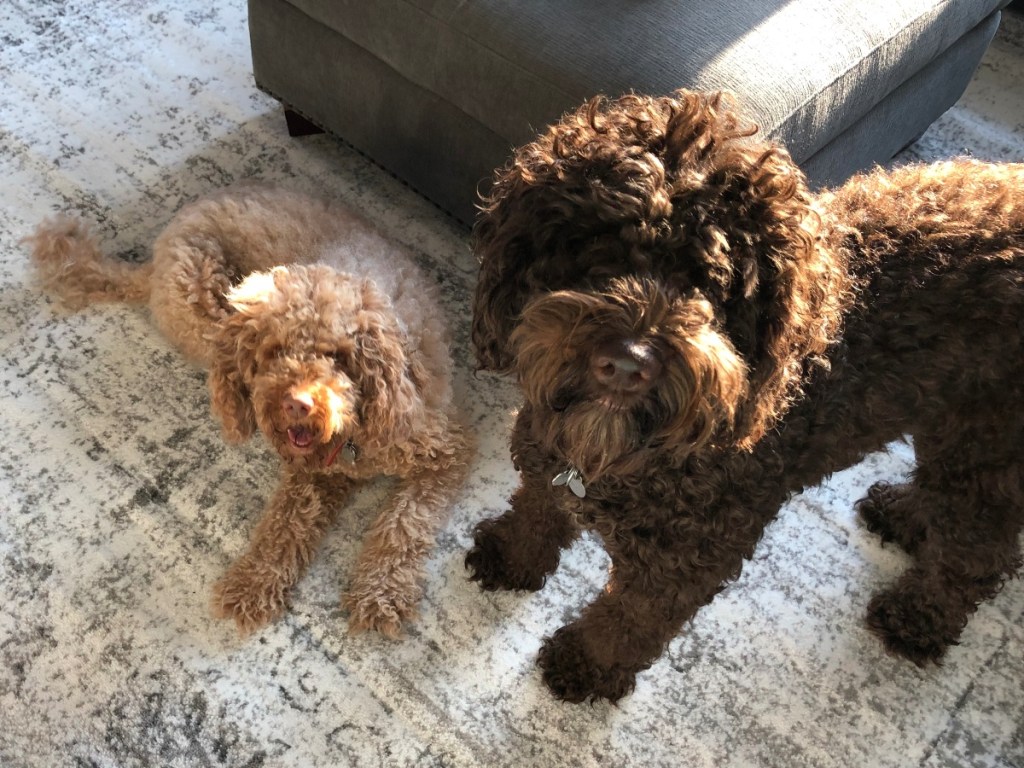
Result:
[[699, 336], [319, 333]]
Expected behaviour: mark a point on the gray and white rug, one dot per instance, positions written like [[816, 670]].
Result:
[[120, 505]]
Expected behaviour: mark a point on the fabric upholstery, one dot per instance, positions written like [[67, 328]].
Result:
[[470, 80]]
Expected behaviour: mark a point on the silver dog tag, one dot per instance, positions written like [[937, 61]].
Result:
[[349, 452], [577, 487], [571, 477]]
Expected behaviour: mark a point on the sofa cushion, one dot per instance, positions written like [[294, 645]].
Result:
[[440, 91], [808, 69]]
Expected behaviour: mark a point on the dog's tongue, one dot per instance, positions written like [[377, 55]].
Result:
[[300, 437]]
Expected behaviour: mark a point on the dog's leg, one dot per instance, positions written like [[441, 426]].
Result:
[[968, 501], [889, 511], [387, 583], [521, 548], [628, 626], [254, 589]]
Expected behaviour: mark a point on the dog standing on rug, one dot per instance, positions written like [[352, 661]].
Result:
[[697, 337], [324, 336]]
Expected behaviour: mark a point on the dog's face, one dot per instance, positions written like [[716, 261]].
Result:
[[630, 366], [654, 277], [310, 357]]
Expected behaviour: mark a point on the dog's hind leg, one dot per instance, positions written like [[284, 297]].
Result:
[[191, 277], [963, 513]]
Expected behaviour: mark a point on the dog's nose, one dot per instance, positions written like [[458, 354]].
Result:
[[625, 365], [297, 404]]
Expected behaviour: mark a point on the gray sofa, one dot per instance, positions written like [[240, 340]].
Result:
[[439, 91]]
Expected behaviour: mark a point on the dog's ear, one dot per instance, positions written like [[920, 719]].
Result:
[[497, 300], [229, 398], [739, 222], [581, 202], [234, 340], [528, 238], [783, 300], [389, 394]]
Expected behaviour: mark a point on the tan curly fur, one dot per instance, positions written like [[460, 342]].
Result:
[[697, 336], [323, 336]]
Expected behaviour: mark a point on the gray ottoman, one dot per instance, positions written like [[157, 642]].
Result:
[[439, 91]]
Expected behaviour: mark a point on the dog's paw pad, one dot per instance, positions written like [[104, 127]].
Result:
[[876, 507], [381, 602]]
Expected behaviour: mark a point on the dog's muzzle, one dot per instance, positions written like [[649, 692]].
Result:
[[625, 366]]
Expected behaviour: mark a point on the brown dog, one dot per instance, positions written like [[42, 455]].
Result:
[[322, 335], [697, 337]]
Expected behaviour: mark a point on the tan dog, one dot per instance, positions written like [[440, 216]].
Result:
[[324, 336]]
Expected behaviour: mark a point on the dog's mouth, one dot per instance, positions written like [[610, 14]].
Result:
[[646, 414], [303, 418], [618, 401], [301, 439], [612, 401], [303, 444]]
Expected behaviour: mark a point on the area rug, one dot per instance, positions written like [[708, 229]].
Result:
[[120, 504]]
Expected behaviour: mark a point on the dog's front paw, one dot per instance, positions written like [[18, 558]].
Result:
[[374, 605], [874, 507], [496, 564], [886, 513], [913, 626], [573, 675], [252, 596]]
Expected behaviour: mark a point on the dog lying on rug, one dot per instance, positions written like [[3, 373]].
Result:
[[697, 337], [326, 338]]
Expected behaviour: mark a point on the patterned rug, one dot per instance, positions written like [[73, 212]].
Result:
[[120, 505]]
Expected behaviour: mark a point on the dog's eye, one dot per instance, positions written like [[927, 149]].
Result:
[[561, 400], [338, 358]]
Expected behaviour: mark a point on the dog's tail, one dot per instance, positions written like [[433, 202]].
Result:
[[71, 266]]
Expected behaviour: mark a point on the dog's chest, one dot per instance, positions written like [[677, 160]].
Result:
[[602, 505]]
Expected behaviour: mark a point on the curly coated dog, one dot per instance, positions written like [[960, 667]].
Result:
[[324, 336], [697, 337]]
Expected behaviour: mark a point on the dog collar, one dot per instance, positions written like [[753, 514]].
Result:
[[349, 452], [572, 478]]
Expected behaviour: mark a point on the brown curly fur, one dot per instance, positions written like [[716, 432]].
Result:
[[700, 337], [319, 333]]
